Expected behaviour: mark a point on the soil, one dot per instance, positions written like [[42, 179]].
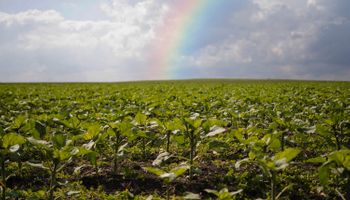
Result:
[[131, 176]]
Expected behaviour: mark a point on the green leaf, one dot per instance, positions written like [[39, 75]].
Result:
[[70, 193], [40, 128], [179, 170], [168, 177], [251, 155], [19, 122], [196, 123], [37, 142], [80, 151], [323, 173], [341, 157], [223, 194], [61, 154], [64, 154], [323, 130], [193, 123], [218, 145], [89, 145], [77, 170], [288, 154], [215, 130], [174, 124], [121, 149], [141, 134], [125, 126], [141, 119], [179, 139], [236, 192], [316, 160], [74, 122], [14, 148], [284, 189], [92, 155], [111, 132], [272, 141], [240, 162], [239, 135], [206, 126], [93, 131], [191, 196], [59, 140], [161, 158], [216, 193], [280, 122], [12, 139], [2, 132], [37, 165], [282, 159], [154, 170]]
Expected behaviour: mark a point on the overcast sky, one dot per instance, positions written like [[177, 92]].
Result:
[[111, 40]]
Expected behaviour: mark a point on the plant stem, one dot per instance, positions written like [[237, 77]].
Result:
[[20, 167], [347, 187], [282, 141], [144, 148], [3, 175], [336, 137], [115, 167], [53, 180], [191, 154], [273, 185], [168, 141], [115, 163], [168, 192]]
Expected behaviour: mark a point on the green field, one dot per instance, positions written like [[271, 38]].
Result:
[[195, 139]]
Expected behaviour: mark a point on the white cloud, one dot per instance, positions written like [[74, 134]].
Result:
[[31, 16], [143, 13], [107, 50], [311, 3]]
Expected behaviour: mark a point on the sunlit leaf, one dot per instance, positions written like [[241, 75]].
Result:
[[161, 158], [11, 139]]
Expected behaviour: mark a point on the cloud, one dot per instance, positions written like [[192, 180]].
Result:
[[53, 48], [273, 39], [31, 16], [241, 39]]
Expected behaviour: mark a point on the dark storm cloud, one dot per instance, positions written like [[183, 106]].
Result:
[[275, 39]]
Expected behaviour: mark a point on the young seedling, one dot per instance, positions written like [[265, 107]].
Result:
[[55, 154], [271, 165], [9, 144], [224, 194], [93, 142], [333, 131], [338, 163], [142, 131], [168, 176], [118, 133], [169, 128], [192, 132]]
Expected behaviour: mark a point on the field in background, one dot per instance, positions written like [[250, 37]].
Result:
[[219, 139]]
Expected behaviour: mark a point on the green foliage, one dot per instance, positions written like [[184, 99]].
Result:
[[171, 175], [294, 135], [223, 194], [338, 162]]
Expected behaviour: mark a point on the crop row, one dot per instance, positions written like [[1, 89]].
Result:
[[260, 139]]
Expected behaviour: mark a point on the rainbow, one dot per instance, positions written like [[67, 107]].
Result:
[[176, 34]]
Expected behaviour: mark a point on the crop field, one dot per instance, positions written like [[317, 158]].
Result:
[[195, 139]]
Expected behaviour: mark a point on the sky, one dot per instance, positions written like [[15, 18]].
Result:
[[124, 40]]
